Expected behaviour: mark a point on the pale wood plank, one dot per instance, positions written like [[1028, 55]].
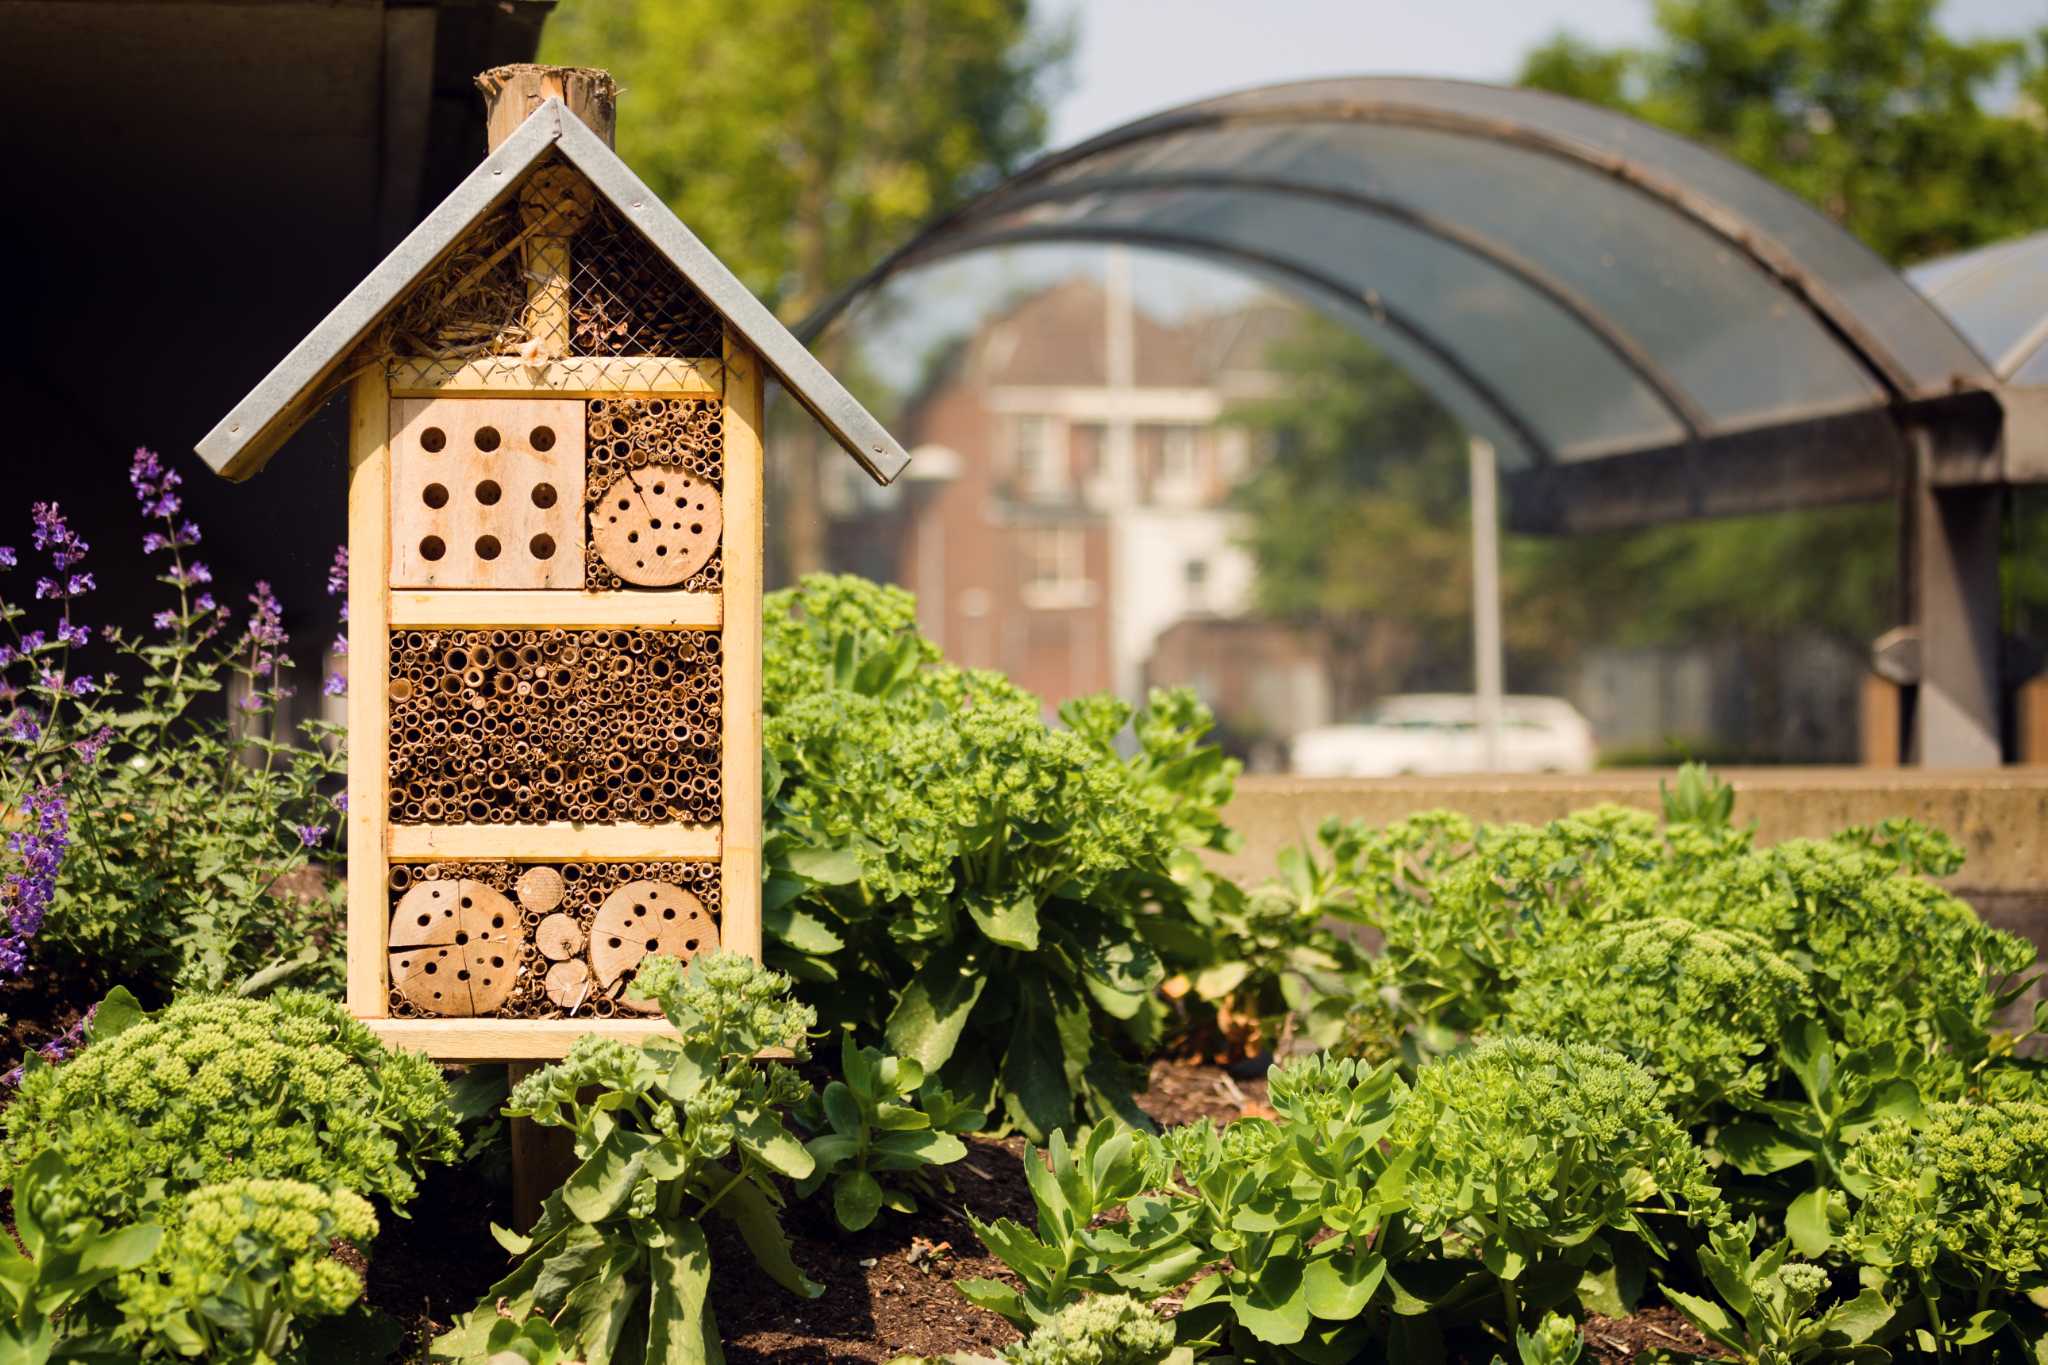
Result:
[[577, 377], [568, 610], [487, 493], [368, 651], [740, 867], [518, 1040], [556, 841]]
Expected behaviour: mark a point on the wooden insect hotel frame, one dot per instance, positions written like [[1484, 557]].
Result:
[[555, 560]]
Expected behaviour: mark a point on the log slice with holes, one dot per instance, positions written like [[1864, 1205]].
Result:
[[655, 527], [640, 918], [454, 947]]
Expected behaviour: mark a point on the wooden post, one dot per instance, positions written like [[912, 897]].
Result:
[[512, 92], [740, 863], [542, 1158], [369, 649], [1883, 721]]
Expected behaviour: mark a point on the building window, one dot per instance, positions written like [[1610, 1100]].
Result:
[[1055, 568], [1033, 459], [1177, 462]]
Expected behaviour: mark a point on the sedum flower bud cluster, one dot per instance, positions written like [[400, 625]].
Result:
[[1109, 1329], [215, 1089]]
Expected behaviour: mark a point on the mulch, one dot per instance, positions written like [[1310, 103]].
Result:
[[888, 1289]]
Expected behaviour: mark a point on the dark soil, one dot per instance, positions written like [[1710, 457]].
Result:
[[888, 1289]]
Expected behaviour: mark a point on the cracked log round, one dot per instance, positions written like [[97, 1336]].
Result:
[[454, 947], [540, 890], [569, 984], [640, 918], [655, 527], [559, 938]]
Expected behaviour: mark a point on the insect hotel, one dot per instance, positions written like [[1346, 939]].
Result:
[[555, 560]]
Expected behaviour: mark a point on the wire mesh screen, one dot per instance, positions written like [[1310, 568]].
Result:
[[477, 308], [528, 726], [626, 299], [565, 963]]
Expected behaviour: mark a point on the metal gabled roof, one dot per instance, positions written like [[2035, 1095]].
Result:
[[253, 430]]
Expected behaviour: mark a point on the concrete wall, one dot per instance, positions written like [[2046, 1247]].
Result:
[[2000, 816]]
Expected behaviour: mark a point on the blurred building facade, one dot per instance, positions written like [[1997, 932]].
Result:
[[1068, 501]]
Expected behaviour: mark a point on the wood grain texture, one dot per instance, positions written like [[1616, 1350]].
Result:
[[559, 841], [579, 377], [740, 867], [487, 493], [515, 1040], [569, 610], [368, 650]]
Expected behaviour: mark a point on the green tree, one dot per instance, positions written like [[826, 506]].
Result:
[[802, 139], [1917, 142]]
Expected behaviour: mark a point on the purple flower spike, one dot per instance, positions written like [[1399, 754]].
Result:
[[38, 848], [51, 532], [7, 557], [312, 836]]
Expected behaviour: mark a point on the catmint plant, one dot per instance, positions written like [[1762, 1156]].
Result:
[[168, 837]]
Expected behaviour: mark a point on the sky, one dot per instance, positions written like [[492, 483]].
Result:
[[1136, 57]]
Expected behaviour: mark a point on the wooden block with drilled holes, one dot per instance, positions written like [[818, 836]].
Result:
[[655, 527], [640, 918], [454, 947], [486, 493]]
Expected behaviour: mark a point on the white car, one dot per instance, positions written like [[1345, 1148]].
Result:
[[1438, 732]]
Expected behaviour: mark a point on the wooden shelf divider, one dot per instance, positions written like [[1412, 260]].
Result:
[[556, 842], [499, 608]]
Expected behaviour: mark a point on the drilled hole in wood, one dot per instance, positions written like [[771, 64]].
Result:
[[542, 439], [487, 547], [432, 548], [434, 495], [488, 492], [543, 546], [488, 439], [433, 440], [544, 495]]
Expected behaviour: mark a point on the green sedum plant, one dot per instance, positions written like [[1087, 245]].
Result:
[[1949, 1212], [668, 1134], [1555, 1341], [213, 1089], [1284, 1215], [1703, 1010], [1103, 1329], [1531, 1158], [1769, 1316], [960, 882], [883, 1119], [66, 1254], [247, 1262]]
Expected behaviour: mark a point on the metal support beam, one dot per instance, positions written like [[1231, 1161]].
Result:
[[1486, 647], [1952, 557]]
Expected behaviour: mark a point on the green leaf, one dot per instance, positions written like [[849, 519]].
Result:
[[115, 1015], [600, 1186], [1034, 1069], [825, 866], [856, 1199], [935, 1006], [1012, 923], [1213, 983], [1274, 1309], [800, 929], [123, 1249], [680, 1329], [749, 1211], [922, 1147], [841, 1108], [996, 1297], [1758, 1149], [765, 1139], [1338, 1288], [1982, 1326], [1709, 1317], [1862, 1317], [1806, 1222]]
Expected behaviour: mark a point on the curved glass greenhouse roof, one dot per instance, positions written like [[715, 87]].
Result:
[[1997, 296], [1642, 328]]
